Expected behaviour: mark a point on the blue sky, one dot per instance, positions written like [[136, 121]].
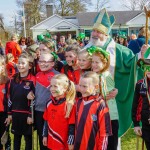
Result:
[[9, 7]]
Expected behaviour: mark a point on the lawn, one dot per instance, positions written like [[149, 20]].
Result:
[[128, 141]]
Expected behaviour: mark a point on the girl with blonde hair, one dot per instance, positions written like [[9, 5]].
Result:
[[93, 121], [59, 115]]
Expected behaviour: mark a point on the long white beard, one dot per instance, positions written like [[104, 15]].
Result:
[[97, 41]]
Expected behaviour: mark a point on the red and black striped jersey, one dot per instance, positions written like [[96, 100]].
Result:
[[92, 124], [58, 125]]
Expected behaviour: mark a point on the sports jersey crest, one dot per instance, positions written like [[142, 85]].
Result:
[[3, 91], [94, 117], [27, 86]]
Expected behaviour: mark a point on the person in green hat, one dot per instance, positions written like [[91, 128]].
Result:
[[141, 104], [122, 38], [122, 67]]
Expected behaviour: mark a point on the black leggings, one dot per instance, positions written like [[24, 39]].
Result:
[[17, 142], [113, 140], [39, 123]]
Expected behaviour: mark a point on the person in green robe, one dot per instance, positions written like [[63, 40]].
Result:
[[123, 67]]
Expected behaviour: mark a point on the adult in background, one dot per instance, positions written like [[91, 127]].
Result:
[[135, 45], [13, 47], [122, 68], [122, 38], [62, 42], [30, 41], [23, 43]]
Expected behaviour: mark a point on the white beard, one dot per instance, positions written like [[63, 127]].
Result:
[[97, 41]]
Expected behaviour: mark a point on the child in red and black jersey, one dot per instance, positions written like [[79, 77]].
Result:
[[59, 116], [93, 121], [141, 104], [72, 69], [3, 101], [19, 105]]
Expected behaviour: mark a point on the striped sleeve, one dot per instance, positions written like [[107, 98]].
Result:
[[103, 142]]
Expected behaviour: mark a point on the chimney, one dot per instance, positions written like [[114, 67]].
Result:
[[49, 9]]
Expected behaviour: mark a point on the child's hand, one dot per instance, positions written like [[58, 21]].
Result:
[[29, 120], [138, 131], [30, 96], [45, 141], [8, 120], [71, 147], [112, 94]]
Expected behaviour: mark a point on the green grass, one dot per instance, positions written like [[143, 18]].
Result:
[[128, 141]]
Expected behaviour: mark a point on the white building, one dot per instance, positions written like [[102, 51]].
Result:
[[127, 21]]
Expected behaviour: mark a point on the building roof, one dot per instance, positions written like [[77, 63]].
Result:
[[87, 18]]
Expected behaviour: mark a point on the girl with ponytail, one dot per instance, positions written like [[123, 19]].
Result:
[[59, 116]]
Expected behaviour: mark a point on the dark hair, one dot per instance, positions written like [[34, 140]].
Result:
[[22, 38], [73, 47], [30, 41]]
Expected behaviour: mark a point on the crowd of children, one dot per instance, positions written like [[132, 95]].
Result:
[[73, 109]]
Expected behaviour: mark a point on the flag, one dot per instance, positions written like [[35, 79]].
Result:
[[23, 15]]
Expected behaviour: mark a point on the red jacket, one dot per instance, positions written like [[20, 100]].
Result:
[[11, 70], [14, 48]]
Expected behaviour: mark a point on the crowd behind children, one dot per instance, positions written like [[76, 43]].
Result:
[[63, 91]]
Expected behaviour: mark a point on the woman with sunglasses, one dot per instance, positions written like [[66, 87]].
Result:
[[23, 43]]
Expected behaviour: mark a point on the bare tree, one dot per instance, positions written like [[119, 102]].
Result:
[[32, 9], [101, 4], [70, 7], [130, 4], [142, 3], [134, 4]]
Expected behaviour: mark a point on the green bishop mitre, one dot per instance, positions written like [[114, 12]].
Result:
[[103, 22]]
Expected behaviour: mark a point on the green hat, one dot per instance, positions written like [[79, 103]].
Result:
[[93, 49], [40, 37], [48, 35], [144, 64], [81, 36], [122, 35], [103, 22]]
